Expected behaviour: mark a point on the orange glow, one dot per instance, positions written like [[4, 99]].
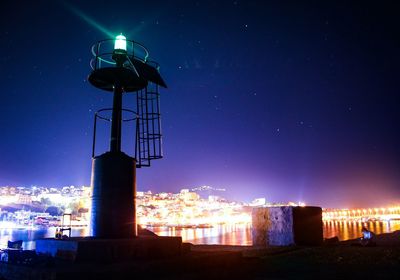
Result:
[[366, 214]]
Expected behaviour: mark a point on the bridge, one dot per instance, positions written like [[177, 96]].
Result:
[[362, 214]]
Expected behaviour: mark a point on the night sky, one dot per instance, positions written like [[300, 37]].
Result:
[[272, 99]]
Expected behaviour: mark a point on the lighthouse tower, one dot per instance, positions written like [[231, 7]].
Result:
[[121, 66]]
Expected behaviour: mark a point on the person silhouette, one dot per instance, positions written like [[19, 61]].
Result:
[[368, 238]]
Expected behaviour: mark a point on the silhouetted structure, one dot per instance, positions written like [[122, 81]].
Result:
[[121, 66]]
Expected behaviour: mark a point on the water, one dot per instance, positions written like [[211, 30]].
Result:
[[352, 230], [239, 234], [222, 234], [29, 235]]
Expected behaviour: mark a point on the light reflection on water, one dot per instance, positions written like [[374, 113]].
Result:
[[29, 235], [239, 234], [351, 230]]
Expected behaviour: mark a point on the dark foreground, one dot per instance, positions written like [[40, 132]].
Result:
[[344, 260]]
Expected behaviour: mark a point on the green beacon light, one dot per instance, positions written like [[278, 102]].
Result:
[[120, 43]]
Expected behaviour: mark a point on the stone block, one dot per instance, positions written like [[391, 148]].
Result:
[[110, 250], [287, 225]]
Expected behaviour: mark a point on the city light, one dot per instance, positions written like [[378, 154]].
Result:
[[199, 207], [184, 209], [364, 215]]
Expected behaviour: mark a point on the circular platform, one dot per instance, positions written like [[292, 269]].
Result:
[[105, 79]]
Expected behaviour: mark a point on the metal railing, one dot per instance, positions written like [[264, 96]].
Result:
[[104, 49], [108, 119]]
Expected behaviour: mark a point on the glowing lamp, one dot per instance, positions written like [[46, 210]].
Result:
[[120, 43]]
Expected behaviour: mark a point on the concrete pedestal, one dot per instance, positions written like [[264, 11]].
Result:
[[86, 249], [113, 211], [284, 226]]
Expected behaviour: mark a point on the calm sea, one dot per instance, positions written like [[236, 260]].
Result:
[[221, 234]]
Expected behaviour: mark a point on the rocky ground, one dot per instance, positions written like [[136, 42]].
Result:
[[341, 260]]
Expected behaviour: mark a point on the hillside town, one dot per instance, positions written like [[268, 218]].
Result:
[[197, 207]]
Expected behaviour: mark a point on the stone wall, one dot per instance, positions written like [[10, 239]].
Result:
[[287, 225], [307, 225], [260, 221], [280, 233]]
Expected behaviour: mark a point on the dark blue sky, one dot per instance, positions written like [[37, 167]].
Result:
[[265, 98]]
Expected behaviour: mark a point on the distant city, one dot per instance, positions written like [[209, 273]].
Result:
[[204, 206]]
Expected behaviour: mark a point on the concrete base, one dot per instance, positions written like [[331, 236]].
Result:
[[86, 249], [284, 226]]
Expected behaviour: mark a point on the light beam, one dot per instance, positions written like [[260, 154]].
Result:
[[87, 19]]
